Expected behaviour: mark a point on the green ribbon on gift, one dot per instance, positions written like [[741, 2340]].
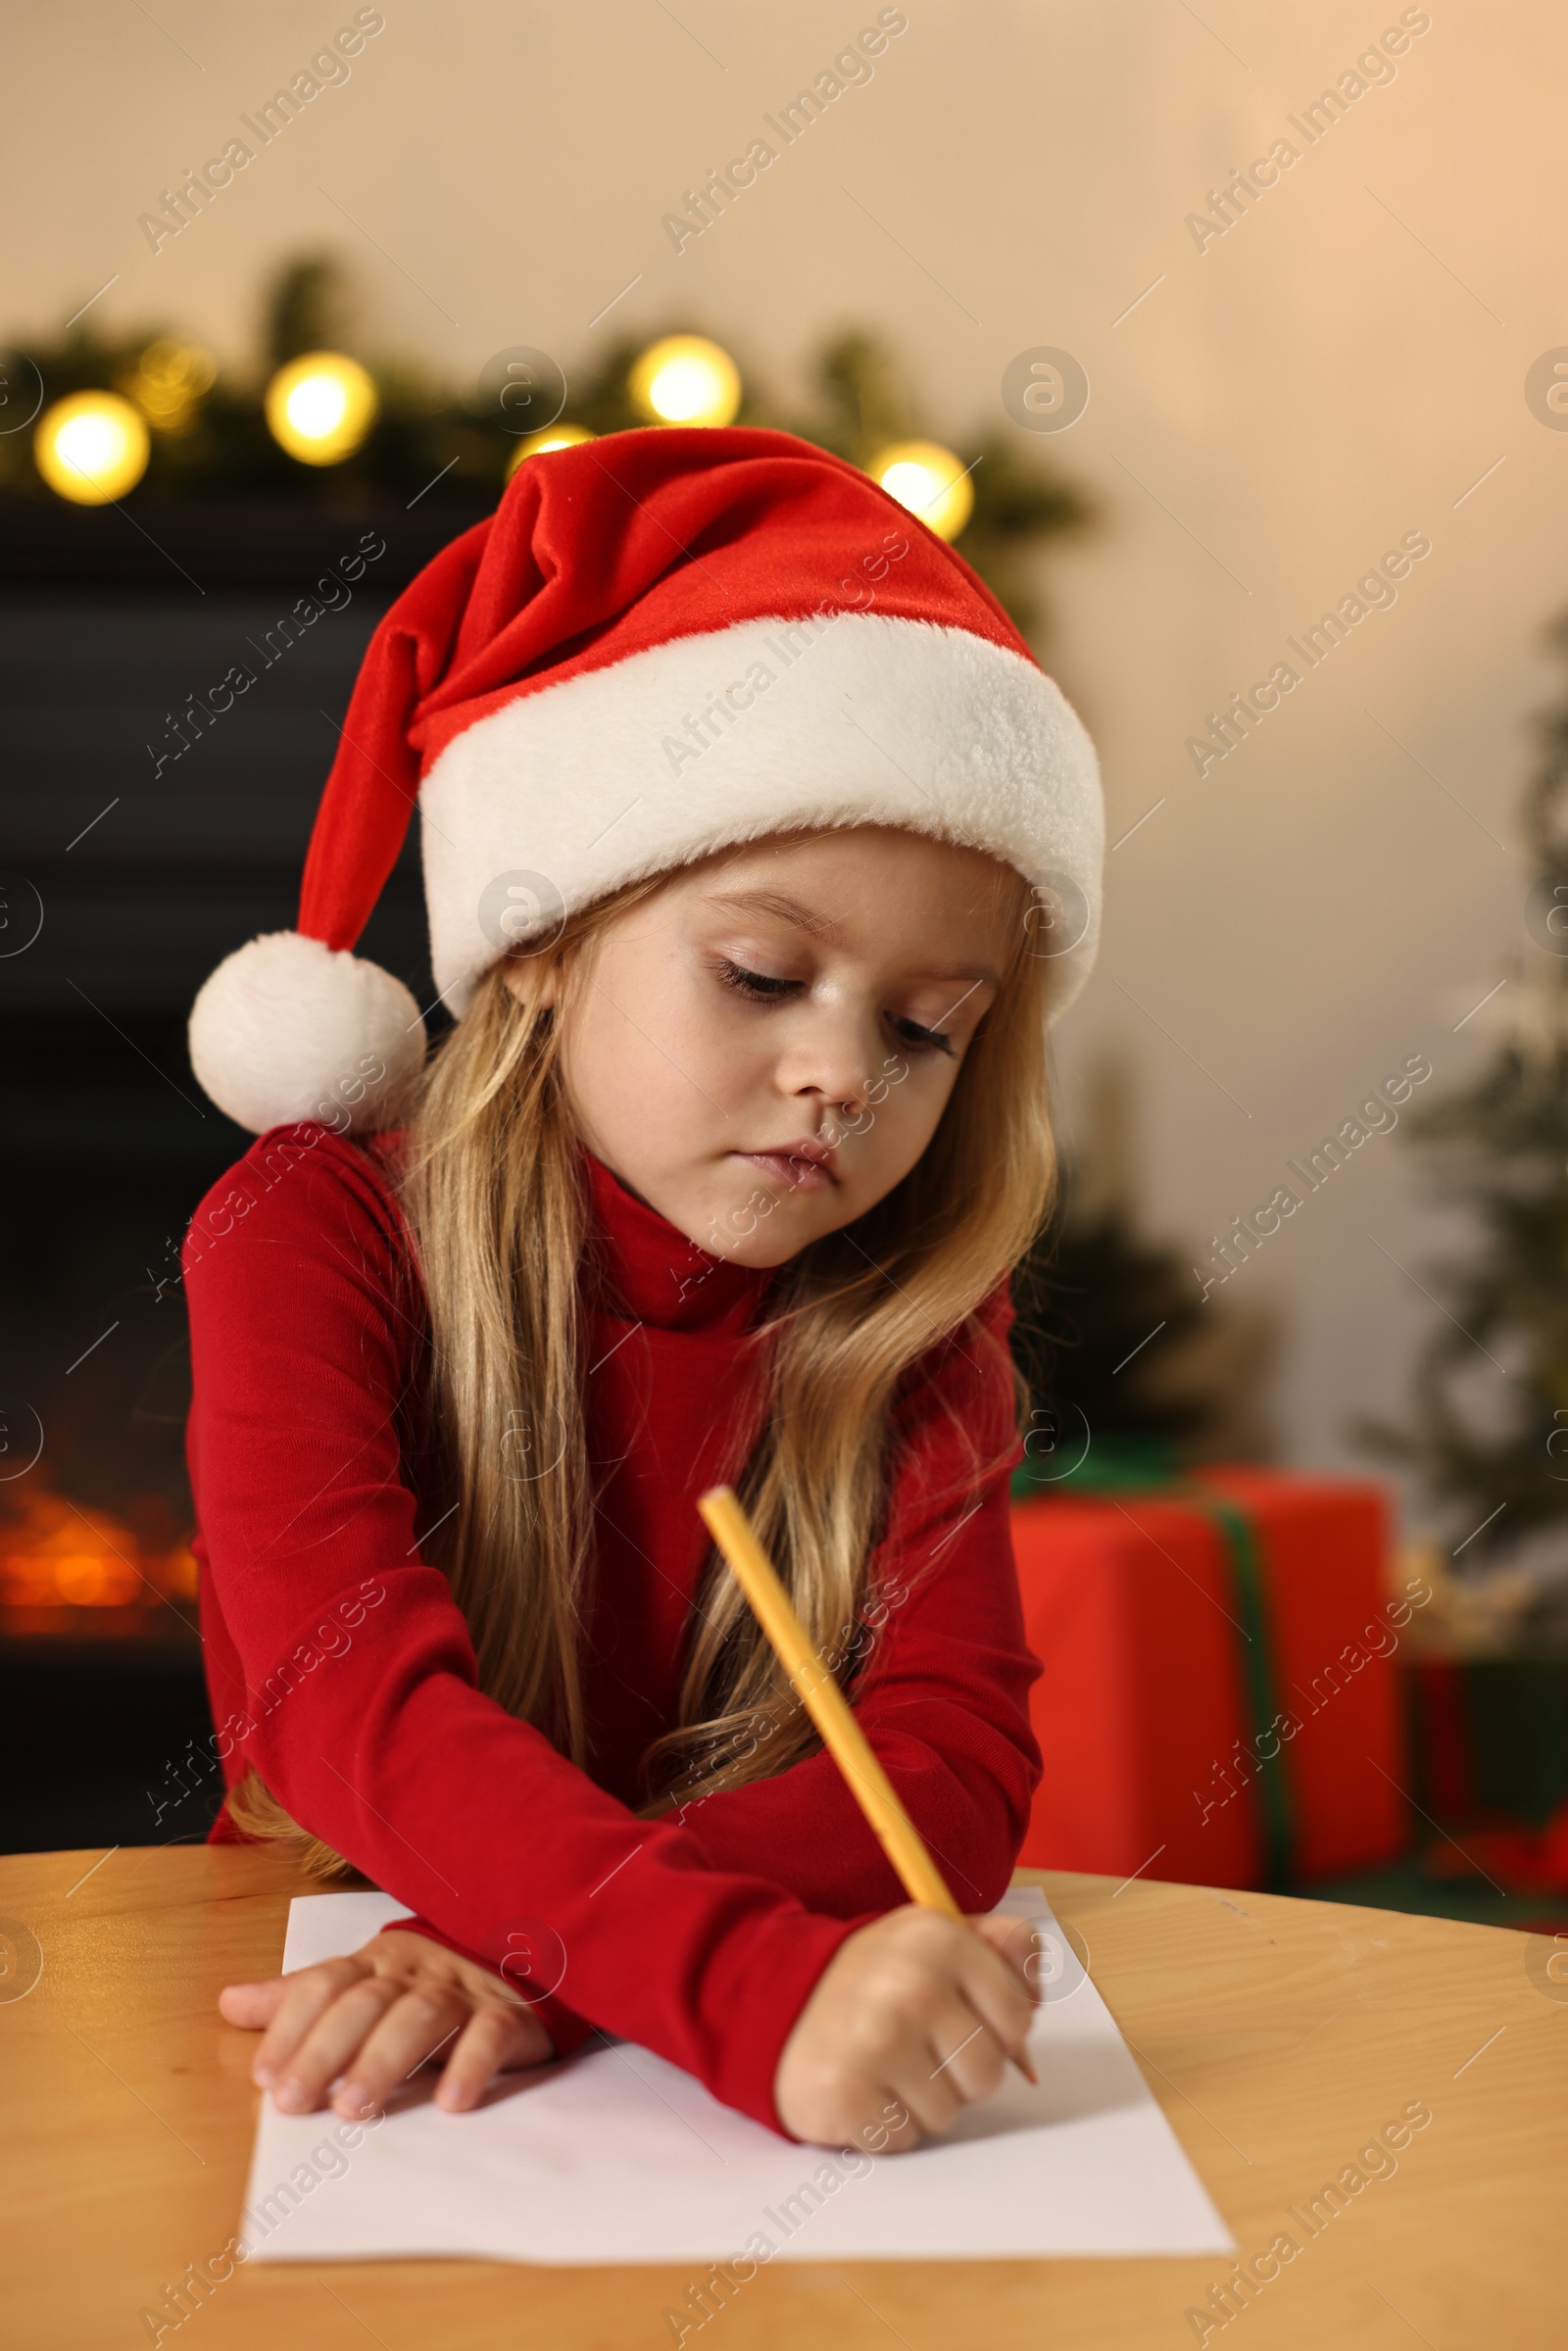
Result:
[[1147, 1465], [1260, 1679], [1113, 1464]]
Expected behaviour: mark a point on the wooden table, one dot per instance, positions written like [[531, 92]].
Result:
[[1278, 2035]]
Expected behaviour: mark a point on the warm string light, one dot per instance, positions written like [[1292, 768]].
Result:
[[321, 407], [540, 444], [685, 380], [92, 448], [169, 383], [929, 480]]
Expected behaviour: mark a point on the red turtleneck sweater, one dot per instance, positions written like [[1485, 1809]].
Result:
[[340, 1666]]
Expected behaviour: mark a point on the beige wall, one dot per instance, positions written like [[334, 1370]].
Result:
[[1320, 380]]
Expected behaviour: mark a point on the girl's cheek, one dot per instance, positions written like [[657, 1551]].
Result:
[[914, 1111]]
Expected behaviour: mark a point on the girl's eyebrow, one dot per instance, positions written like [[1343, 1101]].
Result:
[[818, 926], [774, 902], [982, 974]]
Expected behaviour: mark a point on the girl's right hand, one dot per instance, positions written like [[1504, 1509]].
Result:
[[913, 2018], [368, 2022]]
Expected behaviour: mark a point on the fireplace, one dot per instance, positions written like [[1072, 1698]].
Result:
[[142, 844]]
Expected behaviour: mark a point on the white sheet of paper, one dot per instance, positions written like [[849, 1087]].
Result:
[[614, 2155]]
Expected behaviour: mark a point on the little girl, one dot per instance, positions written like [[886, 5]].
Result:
[[757, 851]]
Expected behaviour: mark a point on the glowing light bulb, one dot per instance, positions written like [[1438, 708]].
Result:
[[320, 408], [540, 444], [929, 480], [315, 408], [92, 448], [169, 383], [686, 380]]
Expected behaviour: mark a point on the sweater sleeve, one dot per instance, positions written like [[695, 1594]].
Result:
[[943, 1686], [371, 1731]]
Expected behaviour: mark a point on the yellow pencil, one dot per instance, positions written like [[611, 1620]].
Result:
[[828, 1708]]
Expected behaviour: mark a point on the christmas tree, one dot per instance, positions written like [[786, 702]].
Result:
[[1129, 1373], [1489, 1435]]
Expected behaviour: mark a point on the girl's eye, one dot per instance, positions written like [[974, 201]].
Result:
[[761, 988], [922, 1040], [757, 985]]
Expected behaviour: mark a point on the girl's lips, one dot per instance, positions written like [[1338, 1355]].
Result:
[[789, 1169]]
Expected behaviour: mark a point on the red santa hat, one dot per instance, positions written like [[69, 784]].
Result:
[[661, 644]]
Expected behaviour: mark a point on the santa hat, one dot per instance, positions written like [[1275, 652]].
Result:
[[661, 644]]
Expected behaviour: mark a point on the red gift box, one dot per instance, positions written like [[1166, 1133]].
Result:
[[1219, 1703]]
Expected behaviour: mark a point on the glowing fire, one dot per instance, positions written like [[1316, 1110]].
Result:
[[56, 1556]]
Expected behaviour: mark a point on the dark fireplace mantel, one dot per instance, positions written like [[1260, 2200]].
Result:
[[152, 841], [224, 549]]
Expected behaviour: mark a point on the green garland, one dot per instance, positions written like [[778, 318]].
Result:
[[426, 437]]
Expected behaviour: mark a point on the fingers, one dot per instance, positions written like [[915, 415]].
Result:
[[251, 2005], [896, 2130], [303, 1997], [915, 2004], [414, 2026], [960, 2063], [981, 2020], [1014, 1939], [369, 2021], [333, 2043], [993, 1982], [493, 2040]]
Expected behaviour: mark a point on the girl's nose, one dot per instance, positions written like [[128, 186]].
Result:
[[833, 1057]]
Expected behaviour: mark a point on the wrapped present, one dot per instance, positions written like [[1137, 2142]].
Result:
[[1220, 1701], [1489, 1738], [1486, 1693]]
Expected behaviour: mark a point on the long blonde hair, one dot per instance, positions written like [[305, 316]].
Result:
[[492, 1192]]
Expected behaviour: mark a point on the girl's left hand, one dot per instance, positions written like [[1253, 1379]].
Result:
[[369, 2021]]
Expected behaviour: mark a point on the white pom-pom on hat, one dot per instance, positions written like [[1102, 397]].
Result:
[[287, 1028]]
